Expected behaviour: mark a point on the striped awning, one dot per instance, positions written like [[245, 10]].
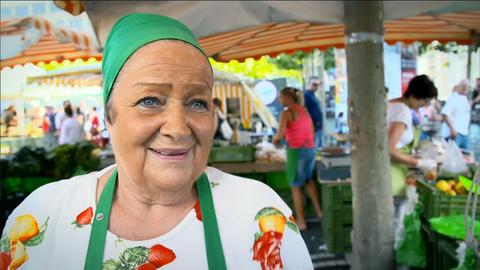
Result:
[[53, 43], [275, 38]]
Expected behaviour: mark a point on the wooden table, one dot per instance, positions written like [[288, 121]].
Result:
[[250, 167]]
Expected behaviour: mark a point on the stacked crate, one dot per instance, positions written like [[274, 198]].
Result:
[[337, 219]]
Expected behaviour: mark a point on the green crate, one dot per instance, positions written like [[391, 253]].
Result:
[[338, 238], [255, 176], [11, 185], [232, 153], [336, 194], [337, 215], [440, 249], [436, 203], [23, 184]]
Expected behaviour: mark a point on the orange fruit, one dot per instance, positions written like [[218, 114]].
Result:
[[25, 228], [272, 223], [18, 254], [431, 175]]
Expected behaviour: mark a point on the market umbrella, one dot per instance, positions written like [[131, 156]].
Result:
[[34, 40], [252, 29]]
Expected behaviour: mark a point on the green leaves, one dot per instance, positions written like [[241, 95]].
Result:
[[113, 265], [39, 238], [130, 259], [267, 211], [133, 257], [5, 243], [293, 226], [263, 68]]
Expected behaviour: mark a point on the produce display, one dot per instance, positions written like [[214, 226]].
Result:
[[452, 187]]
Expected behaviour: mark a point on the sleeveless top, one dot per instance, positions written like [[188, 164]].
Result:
[[299, 132]]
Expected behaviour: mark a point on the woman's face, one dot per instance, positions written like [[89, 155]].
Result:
[[285, 100], [162, 124], [418, 103]]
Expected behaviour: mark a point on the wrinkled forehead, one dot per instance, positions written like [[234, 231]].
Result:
[[170, 53], [166, 62]]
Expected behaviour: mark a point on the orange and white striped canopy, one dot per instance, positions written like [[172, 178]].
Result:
[[56, 44], [274, 38], [239, 29]]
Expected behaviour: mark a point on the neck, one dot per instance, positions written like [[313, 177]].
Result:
[[142, 212], [131, 194], [406, 101]]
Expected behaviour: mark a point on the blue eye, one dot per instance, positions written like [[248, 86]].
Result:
[[199, 104], [149, 102]]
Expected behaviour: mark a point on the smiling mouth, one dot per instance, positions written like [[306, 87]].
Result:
[[171, 154]]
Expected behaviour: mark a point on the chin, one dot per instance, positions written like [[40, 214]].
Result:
[[172, 176]]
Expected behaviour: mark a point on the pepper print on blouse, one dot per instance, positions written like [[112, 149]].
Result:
[[268, 241], [141, 258], [14, 246], [84, 218]]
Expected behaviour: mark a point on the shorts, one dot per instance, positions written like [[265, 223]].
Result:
[[305, 167]]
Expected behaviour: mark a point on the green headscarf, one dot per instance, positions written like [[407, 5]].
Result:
[[132, 32]]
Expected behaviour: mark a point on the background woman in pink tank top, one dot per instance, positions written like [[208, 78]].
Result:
[[297, 127]]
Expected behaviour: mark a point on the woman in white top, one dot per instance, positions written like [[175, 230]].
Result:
[[420, 92], [71, 131]]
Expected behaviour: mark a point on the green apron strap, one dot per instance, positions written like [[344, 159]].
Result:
[[96, 245], [213, 243]]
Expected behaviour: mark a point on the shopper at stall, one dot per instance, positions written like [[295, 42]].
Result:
[[297, 128], [71, 132], [11, 119], [314, 109], [60, 116], [456, 115], [50, 139], [219, 117], [401, 132], [160, 205]]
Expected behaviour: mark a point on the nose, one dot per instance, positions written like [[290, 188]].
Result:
[[175, 123]]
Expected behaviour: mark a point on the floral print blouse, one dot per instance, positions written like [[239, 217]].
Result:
[[51, 230]]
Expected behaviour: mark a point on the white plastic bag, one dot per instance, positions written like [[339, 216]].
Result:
[[226, 130], [406, 209], [454, 163]]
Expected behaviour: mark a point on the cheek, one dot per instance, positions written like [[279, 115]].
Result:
[[130, 131], [203, 129]]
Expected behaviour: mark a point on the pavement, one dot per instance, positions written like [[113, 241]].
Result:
[[322, 259]]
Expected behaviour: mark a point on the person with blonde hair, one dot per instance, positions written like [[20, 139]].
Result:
[[297, 127]]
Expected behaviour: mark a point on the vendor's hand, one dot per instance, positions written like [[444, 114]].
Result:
[[275, 140], [453, 134], [411, 180], [427, 165]]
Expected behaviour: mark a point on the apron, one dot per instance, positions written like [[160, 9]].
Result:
[[399, 170], [213, 244], [292, 164]]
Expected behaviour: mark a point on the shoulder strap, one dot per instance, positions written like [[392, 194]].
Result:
[[213, 243]]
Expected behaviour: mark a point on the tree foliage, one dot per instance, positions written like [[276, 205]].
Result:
[[257, 69], [449, 47]]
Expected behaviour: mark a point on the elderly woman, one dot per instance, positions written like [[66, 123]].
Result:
[[297, 128], [159, 206]]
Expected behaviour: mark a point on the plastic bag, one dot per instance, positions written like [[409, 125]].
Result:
[[409, 244], [226, 130], [465, 257], [454, 163], [453, 226]]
